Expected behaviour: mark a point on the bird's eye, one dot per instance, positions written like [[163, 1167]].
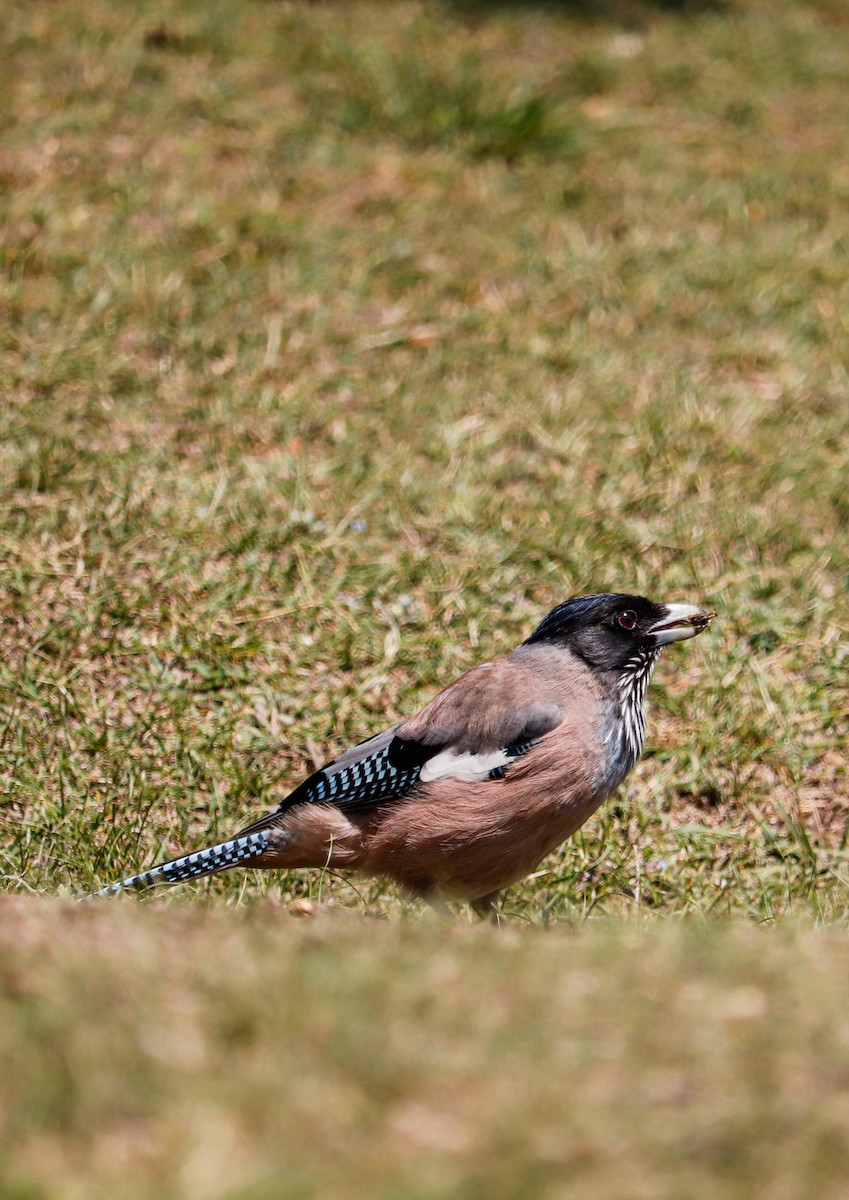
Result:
[[627, 619]]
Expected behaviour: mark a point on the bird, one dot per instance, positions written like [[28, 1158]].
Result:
[[469, 795]]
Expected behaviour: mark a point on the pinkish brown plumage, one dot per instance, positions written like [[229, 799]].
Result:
[[470, 794]]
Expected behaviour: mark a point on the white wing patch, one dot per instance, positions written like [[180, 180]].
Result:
[[448, 764]]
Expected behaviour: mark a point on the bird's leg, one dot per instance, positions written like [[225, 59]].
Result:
[[436, 901], [485, 908]]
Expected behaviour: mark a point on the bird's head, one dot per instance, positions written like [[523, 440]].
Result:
[[612, 630]]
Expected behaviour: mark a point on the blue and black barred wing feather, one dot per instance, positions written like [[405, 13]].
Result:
[[512, 752], [384, 767]]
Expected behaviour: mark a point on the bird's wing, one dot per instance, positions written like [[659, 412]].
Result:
[[494, 705], [358, 778], [471, 731]]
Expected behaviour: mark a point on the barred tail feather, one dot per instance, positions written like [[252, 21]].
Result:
[[237, 852]]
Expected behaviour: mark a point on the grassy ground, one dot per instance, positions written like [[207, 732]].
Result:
[[339, 341]]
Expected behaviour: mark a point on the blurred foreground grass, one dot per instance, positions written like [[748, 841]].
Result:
[[252, 1057]]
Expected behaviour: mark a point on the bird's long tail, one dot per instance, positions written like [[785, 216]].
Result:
[[239, 851]]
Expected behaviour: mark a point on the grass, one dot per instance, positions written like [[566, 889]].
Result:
[[339, 342]]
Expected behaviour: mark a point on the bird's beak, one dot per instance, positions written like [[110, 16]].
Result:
[[679, 621]]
